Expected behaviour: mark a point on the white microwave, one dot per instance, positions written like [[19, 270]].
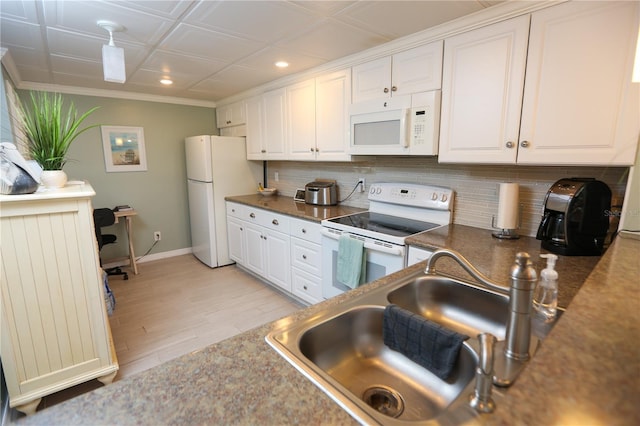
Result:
[[403, 125]]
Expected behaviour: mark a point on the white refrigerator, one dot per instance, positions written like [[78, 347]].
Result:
[[217, 167]]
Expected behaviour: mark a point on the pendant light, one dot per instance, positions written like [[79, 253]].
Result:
[[112, 56]]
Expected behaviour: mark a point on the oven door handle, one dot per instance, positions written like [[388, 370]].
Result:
[[396, 251]]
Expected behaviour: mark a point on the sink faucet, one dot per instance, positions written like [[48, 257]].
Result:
[[520, 292], [481, 400]]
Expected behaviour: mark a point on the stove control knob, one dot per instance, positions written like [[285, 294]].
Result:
[[378, 190], [434, 196], [372, 190], [443, 198]]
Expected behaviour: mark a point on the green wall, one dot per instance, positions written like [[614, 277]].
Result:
[[159, 194]]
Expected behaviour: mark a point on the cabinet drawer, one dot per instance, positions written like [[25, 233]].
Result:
[[306, 286], [275, 221], [236, 210], [306, 256], [306, 230]]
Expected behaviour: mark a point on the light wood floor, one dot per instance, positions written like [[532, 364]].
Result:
[[177, 305]]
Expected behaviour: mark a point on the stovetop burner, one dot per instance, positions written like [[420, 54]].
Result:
[[385, 224]]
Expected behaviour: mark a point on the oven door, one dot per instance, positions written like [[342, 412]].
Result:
[[382, 259]]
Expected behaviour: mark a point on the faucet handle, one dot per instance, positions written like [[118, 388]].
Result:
[[481, 399]]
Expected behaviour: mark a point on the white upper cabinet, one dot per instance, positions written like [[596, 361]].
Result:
[[414, 70], [482, 83], [265, 126], [333, 92], [301, 120], [579, 105], [255, 143], [231, 115]]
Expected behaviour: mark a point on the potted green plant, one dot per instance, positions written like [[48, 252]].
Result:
[[49, 129]]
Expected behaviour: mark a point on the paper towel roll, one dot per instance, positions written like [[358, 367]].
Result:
[[508, 206]]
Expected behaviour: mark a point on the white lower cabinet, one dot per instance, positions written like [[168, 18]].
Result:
[[306, 260], [259, 241], [282, 250]]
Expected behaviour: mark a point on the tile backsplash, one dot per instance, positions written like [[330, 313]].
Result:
[[476, 186]]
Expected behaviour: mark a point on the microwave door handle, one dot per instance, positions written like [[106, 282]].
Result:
[[406, 117]]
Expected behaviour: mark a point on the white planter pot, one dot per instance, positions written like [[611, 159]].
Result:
[[53, 178]]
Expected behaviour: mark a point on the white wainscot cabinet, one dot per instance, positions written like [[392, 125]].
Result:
[[231, 115], [259, 241], [412, 71], [55, 331], [575, 106], [306, 260]]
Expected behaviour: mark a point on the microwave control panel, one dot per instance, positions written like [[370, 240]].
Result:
[[424, 120]]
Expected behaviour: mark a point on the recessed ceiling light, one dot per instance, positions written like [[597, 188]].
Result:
[[282, 64], [166, 81]]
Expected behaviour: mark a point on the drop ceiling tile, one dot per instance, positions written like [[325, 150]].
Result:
[[82, 17], [20, 34], [29, 58], [265, 60], [408, 16], [164, 8], [20, 10], [40, 75], [325, 8], [264, 21], [332, 40], [174, 64], [151, 78], [196, 41]]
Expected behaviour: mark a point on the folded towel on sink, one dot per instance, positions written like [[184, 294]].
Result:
[[351, 265], [422, 341]]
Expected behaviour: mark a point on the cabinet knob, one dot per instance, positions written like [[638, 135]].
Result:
[[386, 90], [304, 256], [311, 149], [252, 215], [241, 229], [275, 222], [509, 144], [525, 144], [263, 151], [304, 231], [304, 286], [394, 88], [317, 150]]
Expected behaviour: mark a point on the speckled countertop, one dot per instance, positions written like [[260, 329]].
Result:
[[587, 371], [286, 205]]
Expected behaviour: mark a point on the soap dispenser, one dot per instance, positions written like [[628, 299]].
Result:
[[545, 297]]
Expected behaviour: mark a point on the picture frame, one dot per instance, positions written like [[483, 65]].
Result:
[[124, 149]]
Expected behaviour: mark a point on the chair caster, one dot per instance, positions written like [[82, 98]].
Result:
[[126, 276]]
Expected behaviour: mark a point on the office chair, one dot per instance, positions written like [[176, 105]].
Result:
[[105, 217]]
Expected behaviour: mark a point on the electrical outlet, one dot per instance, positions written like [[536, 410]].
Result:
[[361, 183], [157, 236]]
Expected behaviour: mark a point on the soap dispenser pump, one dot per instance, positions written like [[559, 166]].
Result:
[[545, 297]]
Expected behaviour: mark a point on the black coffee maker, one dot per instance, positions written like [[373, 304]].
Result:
[[575, 218]]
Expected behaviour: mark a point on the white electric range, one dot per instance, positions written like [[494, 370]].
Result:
[[396, 211]]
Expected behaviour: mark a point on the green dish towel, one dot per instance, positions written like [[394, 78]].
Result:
[[352, 261]]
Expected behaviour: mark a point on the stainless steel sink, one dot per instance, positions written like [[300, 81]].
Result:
[[341, 350], [456, 305]]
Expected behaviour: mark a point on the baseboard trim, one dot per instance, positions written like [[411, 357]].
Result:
[[151, 257]]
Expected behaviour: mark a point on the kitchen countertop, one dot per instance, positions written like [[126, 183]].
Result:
[[494, 257], [286, 205], [585, 372]]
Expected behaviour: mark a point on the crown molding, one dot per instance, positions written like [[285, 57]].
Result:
[[117, 94]]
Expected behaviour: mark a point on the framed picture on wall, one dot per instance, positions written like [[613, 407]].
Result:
[[124, 149]]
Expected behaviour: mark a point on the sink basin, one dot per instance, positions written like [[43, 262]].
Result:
[[349, 348], [455, 305], [341, 350]]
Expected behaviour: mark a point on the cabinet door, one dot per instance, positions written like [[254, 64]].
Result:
[[254, 248], [306, 286], [301, 120], [417, 70], [372, 80], [254, 119], [277, 259], [274, 130], [482, 84], [333, 93], [235, 234], [230, 115], [580, 106]]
